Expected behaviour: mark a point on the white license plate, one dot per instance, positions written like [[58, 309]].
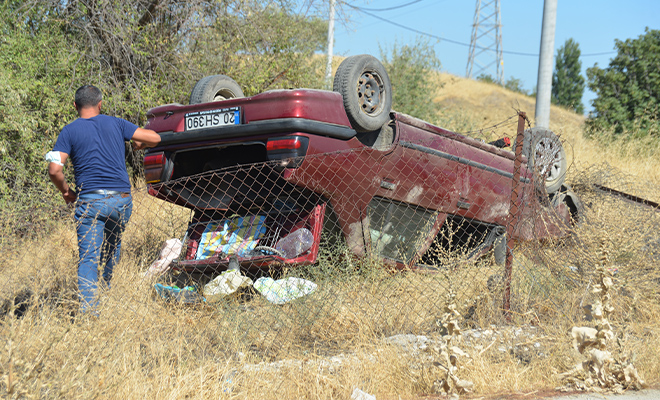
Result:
[[212, 118]]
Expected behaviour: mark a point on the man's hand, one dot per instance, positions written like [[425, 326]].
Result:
[[70, 196], [56, 172], [137, 145]]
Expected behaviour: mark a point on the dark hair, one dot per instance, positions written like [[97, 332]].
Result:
[[87, 96]]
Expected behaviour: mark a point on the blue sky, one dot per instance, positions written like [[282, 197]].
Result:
[[593, 24]]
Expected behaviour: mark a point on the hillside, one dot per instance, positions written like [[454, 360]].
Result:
[[492, 102], [481, 105]]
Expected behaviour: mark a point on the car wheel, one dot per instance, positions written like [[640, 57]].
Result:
[[215, 88], [546, 157], [499, 250], [367, 92]]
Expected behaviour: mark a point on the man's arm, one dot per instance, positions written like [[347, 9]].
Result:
[[143, 138], [56, 173]]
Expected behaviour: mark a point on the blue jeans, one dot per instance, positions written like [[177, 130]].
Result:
[[101, 220]]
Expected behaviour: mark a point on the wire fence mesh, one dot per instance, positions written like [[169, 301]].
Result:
[[328, 252]]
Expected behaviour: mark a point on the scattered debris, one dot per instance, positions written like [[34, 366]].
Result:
[[169, 252], [328, 365], [275, 291], [229, 381], [283, 290], [360, 395], [295, 243], [187, 295], [225, 284], [524, 343], [410, 343], [236, 235]]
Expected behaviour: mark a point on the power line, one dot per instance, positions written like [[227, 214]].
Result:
[[440, 38], [432, 35], [400, 13], [598, 54], [390, 8], [406, 27]]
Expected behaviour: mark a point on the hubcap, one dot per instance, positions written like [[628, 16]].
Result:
[[549, 159], [369, 91], [223, 95]]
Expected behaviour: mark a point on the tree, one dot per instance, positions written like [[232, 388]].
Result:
[[147, 52], [263, 48], [567, 81], [35, 77], [515, 85], [140, 53], [414, 84], [488, 78], [512, 84], [628, 90]]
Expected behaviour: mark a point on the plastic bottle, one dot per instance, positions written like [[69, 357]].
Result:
[[295, 243]]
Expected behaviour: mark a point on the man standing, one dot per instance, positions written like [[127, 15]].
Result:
[[95, 143]]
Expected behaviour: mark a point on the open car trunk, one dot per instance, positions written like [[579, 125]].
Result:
[[218, 240]]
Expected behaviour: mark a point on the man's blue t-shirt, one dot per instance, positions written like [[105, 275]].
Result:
[[97, 151]]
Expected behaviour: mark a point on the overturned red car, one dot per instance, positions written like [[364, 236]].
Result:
[[272, 177]]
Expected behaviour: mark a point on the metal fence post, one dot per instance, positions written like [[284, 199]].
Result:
[[514, 216]]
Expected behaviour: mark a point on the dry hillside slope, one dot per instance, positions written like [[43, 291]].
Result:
[[484, 104], [491, 103]]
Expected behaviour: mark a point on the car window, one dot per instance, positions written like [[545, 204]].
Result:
[[398, 230]]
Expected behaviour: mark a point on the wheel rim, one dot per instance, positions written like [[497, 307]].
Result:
[[549, 159], [223, 95], [369, 89]]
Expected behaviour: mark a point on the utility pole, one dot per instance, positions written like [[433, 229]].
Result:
[[544, 79], [331, 40], [486, 38]]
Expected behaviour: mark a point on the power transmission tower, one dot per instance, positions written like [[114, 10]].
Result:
[[486, 43]]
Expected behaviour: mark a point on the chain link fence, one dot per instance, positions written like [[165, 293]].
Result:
[[323, 262]]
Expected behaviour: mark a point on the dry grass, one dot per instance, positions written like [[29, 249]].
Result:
[[327, 344]]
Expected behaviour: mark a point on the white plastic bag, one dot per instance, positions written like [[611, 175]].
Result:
[[225, 284], [360, 395], [283, 290]]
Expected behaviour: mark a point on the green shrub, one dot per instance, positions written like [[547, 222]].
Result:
[[411, 69]]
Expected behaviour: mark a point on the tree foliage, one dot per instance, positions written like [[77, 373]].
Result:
[[512, 84], [515, 85], [488, 78], [567, 80], [628, 90], [140, 53], [414, 85], [146, 52], [278, 55]]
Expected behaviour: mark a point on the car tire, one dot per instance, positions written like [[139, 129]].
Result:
[[215, 88], [367, 92], [546, 157], [499, 250]]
